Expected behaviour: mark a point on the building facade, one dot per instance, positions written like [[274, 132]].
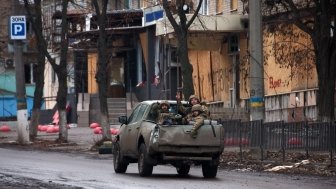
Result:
[[143, 62], [221, 71], [218, 55]]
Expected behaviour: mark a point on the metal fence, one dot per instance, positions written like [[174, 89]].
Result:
[[281, 137]]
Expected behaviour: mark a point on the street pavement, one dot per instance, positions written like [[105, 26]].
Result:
[[82, 139]]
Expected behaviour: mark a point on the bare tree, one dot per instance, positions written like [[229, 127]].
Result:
[[60, 69], [181, 32], [36, 21], [317, 19], [101, 75], [61, 72]]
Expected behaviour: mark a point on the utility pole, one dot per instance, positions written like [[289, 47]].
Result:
[[17, 33], [256, 60], [150, 61]]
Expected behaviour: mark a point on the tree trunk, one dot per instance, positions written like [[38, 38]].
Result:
[[102, 87], [325, 52], [34, 122], [105, 126], [61, 106], [181, 31], [186, 67], [63, 129], [326, 82], [101, 75], [39, 70], [325, 99], [61, 71], [38, 93]]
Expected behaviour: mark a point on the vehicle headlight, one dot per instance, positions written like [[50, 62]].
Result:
[[155, 134]]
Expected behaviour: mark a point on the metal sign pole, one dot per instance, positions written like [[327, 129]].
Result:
[[18, 33]]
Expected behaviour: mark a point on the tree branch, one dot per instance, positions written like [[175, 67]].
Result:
[[170, 16], [40, 39], [195, 13], [298, 18]]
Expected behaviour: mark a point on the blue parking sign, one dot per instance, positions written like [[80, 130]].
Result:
[[18, 27]]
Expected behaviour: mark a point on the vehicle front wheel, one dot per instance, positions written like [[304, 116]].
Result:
[[120, 166], [144, 167], [183, 170], [209, 170]]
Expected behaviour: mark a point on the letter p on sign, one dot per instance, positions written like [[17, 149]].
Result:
[[18, 27]]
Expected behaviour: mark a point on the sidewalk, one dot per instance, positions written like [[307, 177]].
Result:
[[79, 138]]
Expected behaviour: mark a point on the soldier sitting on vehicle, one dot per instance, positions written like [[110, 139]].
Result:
[[196, 118], [164, 117], [193, 100]]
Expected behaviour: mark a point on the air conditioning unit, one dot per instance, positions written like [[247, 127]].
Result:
[[173, 58], [9, 63]]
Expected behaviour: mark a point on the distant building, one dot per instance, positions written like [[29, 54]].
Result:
[[143, 62]]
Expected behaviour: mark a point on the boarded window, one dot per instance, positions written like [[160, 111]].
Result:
[[219, 6], [144, 3], [234, 5]]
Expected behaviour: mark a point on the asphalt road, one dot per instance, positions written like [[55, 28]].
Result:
[[37, 169]]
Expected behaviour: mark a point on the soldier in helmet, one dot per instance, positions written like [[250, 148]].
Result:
[[164, 117], [164, 106], [193, 100], [196, 118]]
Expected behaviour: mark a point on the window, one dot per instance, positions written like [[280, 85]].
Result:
[[204, 8], [152, 115], [71, 73], [121, 4], [53, 76], [233, 44], [219, 6], [173, 57], [138, 4], [144, 3], [128, 4], [137, 113], [234, 5], [141, 112], [29, 76], [132, 117]]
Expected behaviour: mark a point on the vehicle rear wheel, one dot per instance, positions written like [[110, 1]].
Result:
[[183, 170], [209, 169], [144, 167], [120, 166]]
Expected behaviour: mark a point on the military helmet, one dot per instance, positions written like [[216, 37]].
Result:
[[164, 102], [193, 96], [196, 107]]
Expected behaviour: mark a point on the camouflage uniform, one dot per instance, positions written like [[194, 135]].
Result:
[[198, 120], [163, 116], [187, 110], [205, 110]]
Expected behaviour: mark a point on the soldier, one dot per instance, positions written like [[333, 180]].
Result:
[[164, 117], [193, 100], [196, 118]]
